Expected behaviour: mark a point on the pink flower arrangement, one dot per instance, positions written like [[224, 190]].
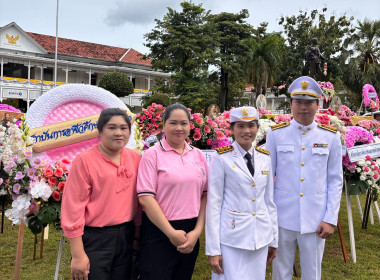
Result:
[[207, 133], [150, 120], [370, 98], [355, 135], [327, 89], [283, 118], [6, 107]]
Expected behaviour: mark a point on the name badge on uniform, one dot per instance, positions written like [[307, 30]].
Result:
[[265, 172], [320, 145]]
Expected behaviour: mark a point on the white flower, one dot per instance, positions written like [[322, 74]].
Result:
[[40, 190], [367, 162], [3, 192], [361, 162], [362, 177], [19, 210], [358, 169], [369, 182]]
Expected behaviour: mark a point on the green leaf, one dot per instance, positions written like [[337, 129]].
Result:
[[48, 214], [356, 187], [34, 224]]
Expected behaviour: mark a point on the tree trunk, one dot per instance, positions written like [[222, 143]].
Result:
[[223, 90]]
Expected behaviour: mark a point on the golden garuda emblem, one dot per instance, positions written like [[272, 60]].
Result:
[[304, 84], [244, 112], [12, 39]]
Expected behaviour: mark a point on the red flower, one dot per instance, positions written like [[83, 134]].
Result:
[[58, 172], [199, 121], [367, 157], [66, 161], [56, 195], [48, 172], [197, 130], [191, 126], [138, 115], [53, 181], [143, 117], [209, 142], [196, 136], [207, 129], [61, 186]]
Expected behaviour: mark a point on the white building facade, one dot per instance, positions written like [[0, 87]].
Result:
[[27, 65]]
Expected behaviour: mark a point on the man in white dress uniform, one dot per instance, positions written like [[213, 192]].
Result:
[[241, 218], [307, 160]]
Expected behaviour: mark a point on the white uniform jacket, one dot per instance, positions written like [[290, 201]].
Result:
[[308, 167], [240, 209]]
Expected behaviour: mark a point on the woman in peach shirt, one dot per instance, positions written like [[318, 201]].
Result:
[[99, 203]]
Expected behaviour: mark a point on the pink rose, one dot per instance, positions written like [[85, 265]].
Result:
[[368, 158], [58, 172], [199, 121], [48, 172], [191, 126], [366, 169], [207, 129], [52, 181], [61, 186], [196, 136], [209, 142], [375, 176], [56, 195], [197, 130]]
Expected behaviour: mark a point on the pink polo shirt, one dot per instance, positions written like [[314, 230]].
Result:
[[99, 193], [176, 181]]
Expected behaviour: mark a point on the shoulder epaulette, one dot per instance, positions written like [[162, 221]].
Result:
[[224, 149], [327, 127], [280, 125], [261, 150]]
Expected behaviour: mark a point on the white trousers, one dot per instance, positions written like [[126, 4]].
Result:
[[240, 264], [311, 252]]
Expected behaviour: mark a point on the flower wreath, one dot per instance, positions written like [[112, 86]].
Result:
[[368, 102], [355, 135]]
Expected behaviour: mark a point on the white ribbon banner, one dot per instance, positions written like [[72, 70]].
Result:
[[360, 152]]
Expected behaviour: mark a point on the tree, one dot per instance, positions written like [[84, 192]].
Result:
[[264, 58], [180, 44], [117, 83], [230, 33], [299, 31], [362, 53]]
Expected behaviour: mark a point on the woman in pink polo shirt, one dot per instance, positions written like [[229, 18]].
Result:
[[171, 186], [99, 203]]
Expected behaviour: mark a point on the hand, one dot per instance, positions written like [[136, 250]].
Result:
[[216, 263], [80, 268], [271, 254], [324, 230], [188, 246], [178, 237]]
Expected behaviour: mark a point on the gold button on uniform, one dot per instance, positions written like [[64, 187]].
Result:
[[301, 194], [253, 213], [253, 185], [308, 129], [303, 132], [302, 164], [299, 127], [302, 179], [303, 148], [253, 199]]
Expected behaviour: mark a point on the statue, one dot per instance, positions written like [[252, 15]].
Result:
[[314, 57]]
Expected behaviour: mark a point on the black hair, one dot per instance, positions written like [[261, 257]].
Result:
[[256, 121], [169, 109], [108, 113]]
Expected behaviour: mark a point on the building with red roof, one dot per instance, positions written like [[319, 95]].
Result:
[[27, 62]]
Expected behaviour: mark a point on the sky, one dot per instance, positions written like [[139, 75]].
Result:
[[123, 23]]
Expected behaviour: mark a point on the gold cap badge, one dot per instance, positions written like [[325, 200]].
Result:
[[245, 112], [304, 84]]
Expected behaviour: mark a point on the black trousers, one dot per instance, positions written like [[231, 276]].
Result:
[[159, 258], [109, 250]]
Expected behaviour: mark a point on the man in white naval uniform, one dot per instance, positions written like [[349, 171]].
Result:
[[241, 219], [307, 159]]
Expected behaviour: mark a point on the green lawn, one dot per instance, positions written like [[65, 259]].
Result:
[[366, 268]]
